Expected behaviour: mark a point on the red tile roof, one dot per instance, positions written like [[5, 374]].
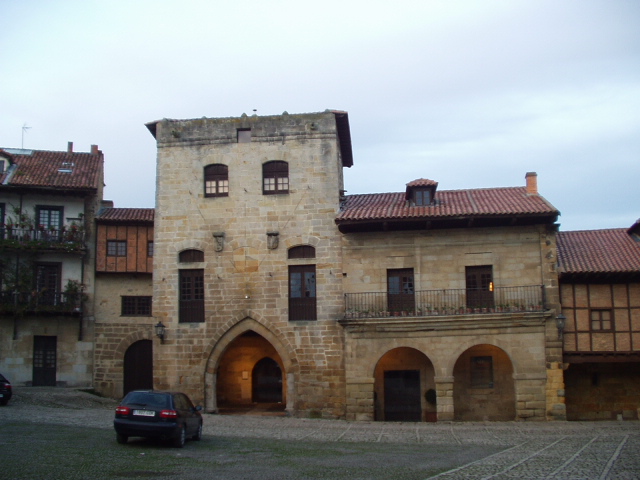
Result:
[[52, 170], [126, 215], [448, 203], [598, 251]]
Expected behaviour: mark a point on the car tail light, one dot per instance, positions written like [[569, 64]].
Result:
[[123, 410], [8, 386], [168, 414]]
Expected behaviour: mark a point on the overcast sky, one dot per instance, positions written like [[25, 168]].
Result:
[[472, 94]]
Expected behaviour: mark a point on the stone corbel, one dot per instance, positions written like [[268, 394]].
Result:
[[219, 239], [273, 240]]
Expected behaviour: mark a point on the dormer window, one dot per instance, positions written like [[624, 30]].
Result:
[[421, 192]]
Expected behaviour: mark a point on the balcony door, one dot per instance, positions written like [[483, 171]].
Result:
[[44, 361], [48, 283], [400, 290], [480, 287]]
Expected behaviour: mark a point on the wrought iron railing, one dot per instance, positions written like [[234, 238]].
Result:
[[43, 302], [445, 302], [66, 238]]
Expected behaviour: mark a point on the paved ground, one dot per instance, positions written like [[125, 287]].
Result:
[[551, 450]]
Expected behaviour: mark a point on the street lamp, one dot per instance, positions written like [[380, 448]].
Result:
[[561, 320], [160, 330]]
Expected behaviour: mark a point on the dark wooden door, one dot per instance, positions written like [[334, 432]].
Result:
[[48, 283], [402, 401], [267, 381], [400, 290], [138, 366], [192, 295], [44, 361], [480, 287]]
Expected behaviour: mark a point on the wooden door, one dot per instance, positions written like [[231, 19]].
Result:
[[138, 367], [267, 381], [480, 287], [44, 361], [400, 290], [402, 401]]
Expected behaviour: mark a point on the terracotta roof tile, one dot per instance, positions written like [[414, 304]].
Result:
[[54, 170], [113, 215], [422, 182], [448, 203], [598, 251]]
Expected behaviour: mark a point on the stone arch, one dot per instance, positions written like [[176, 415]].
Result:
[[232, 330], [302, 240], [484, 385], [119, 352], [448, 364], [402, 377]]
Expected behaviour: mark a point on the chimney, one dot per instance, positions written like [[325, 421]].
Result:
[[532, 183], [94, 149], [69, 147]]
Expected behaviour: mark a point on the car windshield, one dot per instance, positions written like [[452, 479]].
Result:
[[147, 399], [2, 379]]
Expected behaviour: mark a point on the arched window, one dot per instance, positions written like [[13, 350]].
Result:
[[275, 177], [190, 256], [302, 251], [216, 181]]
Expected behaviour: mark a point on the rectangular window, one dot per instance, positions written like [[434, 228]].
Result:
[[216, 180], [48, 276], [302, 292], [136, 306], [400, 290], [116, 248], [244, 135], [275, 177], [601, 320], [480, 286], [422, 197], [150, 248], [482, 372], [191, 296]]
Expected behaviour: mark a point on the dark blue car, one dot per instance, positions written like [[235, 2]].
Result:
[[163, 415], [5, 390]]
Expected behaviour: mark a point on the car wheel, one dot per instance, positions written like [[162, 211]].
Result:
[[122, 439], [198, 434], [4, 402], [179, 441]]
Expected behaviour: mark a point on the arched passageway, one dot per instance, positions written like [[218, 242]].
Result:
[[138, 367], [404, 387], [250, 375], [483, 387]]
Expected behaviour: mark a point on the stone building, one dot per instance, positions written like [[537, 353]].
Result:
[[600, 294], [276, 288], [48, 201]]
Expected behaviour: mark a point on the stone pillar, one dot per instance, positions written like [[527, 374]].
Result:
[[530, 396], [210, 401], [360, 405], [444, 393]]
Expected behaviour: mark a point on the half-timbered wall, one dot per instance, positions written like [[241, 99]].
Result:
[[137, 258]]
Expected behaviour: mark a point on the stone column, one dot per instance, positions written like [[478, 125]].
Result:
[[360, 405], [444, 393], [530, 396]]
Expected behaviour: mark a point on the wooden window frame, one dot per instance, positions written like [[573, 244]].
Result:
[[135, 306], [191, 296], [599, 320], [401, 290], [302, 292], [116, 248], [191, 255], [216, 180], [301, 251], [275, 177], [150, 248]]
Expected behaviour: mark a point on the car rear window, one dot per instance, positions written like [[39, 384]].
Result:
[[147, 399]]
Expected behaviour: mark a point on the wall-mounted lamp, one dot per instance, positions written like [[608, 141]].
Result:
[[160, 330], [561, 321]]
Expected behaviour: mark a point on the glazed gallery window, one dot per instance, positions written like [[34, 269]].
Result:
[[216, 181], [302, 292], [191, 292], [601, 320], [116, 248], [138, 306], [49, 218], [482, 372], [275, 177]]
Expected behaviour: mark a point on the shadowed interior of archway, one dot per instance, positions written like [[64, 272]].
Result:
[[251, 379]]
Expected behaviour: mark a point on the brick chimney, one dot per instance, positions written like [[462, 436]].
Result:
[[94, 149], [532, 183], [69, 147]]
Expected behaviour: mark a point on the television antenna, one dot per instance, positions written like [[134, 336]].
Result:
[[24, 129]]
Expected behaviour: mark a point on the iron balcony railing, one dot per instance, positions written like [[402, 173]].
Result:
[[64, 238], [445, 302], [43, 302]]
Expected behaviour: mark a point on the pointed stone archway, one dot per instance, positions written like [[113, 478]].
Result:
[[483, 386], [229, 374]]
